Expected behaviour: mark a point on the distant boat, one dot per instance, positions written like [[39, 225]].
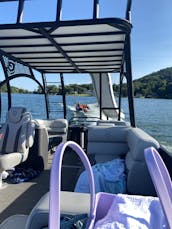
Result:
[[82, 107]]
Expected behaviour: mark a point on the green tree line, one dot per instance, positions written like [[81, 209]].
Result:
[[69, 89], [156, 85], [14, 90]]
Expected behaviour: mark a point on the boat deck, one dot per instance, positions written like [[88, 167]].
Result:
[[21, 198]]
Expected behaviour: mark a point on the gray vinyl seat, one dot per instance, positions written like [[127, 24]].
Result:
[[38, 217], [16, 137], [55, 128], [106, 143], [57, 131]]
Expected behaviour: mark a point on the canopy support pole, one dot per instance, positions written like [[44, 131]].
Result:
[[63, 94], [96, 9], [45, 95], [120, 93], [59, 10], [20, 11], [129, 82], [100, 88]]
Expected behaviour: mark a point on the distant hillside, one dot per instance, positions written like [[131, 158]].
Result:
[[155, 85]]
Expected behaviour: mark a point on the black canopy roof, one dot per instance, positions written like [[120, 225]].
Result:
[[97, 45], [94, 45]]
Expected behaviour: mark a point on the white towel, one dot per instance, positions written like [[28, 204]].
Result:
[[133, 212]]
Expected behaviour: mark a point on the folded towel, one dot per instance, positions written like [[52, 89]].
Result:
[[108, 177], [133, 212]]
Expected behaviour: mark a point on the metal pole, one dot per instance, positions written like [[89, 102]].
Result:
[[45, 95], [128, 10], [96, 9], [63, 94], [120, 94], [20, 11], [129, 81], [59, 10], [100, 88]]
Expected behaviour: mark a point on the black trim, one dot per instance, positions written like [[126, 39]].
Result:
[[120, 23]]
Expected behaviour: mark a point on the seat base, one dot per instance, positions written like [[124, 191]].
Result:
[[15, 222]]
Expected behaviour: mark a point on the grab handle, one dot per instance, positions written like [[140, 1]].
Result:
[[161, 180], [55, 183]]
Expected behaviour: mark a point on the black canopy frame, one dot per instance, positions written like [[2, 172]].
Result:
[[97, 45]]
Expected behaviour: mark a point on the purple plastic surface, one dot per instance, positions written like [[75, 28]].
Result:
[[161, 180], [55, 183], [103, 203]]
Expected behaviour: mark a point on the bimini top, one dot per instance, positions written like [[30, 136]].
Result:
[[93, 45]]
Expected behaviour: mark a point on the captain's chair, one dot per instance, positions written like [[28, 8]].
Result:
[[16, 137]]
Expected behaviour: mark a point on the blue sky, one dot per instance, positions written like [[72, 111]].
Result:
[[151, 35]]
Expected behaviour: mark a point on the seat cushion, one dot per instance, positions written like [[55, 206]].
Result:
[[14, 222], [69, 205], [54, 126], [138, 178], [15, 114], [138, 140], [8, 161]]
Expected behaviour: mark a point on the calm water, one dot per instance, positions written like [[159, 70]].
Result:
[[152, 115]]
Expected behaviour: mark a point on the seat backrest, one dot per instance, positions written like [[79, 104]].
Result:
[[17, 133], [111, 123], [138, 178], [107, 142], [56, 126], [161, 180]]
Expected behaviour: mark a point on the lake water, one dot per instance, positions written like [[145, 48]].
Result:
[[152, 115]]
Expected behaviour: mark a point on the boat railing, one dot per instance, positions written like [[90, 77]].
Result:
[[21, 7], [84, 120]]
